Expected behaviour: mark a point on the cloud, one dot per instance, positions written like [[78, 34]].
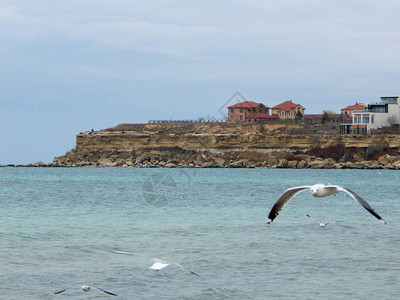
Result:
[[15, 26], [302, 42], [210, 28]]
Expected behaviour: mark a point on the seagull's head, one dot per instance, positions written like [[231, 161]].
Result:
[[318, 190], [314, 189]]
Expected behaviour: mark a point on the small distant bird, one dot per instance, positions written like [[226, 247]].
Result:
[[319, 191], [158, 264], [322, 225], [86, 288]]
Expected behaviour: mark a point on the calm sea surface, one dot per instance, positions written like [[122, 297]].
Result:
[[58, 227]]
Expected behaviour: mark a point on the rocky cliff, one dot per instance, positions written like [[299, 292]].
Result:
[[231, 145]]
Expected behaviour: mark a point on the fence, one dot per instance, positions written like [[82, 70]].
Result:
[[189, 121]]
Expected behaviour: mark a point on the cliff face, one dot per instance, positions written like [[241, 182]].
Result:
[[228, 145], [129, 141]]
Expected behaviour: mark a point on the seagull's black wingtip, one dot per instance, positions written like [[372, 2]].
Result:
[[59, 292], [194, 273], [107, 292]]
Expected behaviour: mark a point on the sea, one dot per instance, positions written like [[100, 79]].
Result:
[[60, 227]]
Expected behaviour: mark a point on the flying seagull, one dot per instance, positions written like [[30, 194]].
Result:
[[158, 264], [319, 191], [86, 288], [322, 225]]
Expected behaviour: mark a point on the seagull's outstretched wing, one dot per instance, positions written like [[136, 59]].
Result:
[[134, 254], [153, 260], [104, 291], [62, 291], [322, 225], [284, 199], [191, 272], [314, 219], [362, 202]]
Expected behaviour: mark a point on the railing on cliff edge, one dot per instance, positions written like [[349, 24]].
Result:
[[189, 121]]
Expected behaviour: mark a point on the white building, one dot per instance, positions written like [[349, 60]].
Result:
[[374, 116]]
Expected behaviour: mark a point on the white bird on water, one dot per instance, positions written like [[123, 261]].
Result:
[[319, 190], [322, 225], [86, 288], [158, 264]]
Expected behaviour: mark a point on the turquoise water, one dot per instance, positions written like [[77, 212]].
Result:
[[58, 227]]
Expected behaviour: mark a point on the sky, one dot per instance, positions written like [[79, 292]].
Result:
[[76, 65]]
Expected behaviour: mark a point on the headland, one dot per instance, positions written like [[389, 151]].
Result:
[[233, 145]]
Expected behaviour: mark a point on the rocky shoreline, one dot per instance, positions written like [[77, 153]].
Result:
[[152, 160], [181, 158]]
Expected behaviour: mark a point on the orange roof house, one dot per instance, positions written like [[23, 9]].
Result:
[[288, 110], [247, 111], [348, 111]]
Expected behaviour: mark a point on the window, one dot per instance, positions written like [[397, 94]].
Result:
[[232, 110], [365, 119], [372, 119]]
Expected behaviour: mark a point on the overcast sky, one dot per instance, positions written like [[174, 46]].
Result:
[[71, 66]]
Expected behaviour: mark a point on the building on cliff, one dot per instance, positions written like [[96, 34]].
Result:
[[373, 116], [288, 110], [348, 111], [248, 111]]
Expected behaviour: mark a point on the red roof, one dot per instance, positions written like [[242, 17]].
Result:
[[356, 106], [286, 106], [260, 116], [247, 104]]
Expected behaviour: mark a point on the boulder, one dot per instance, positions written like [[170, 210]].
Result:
[[272, 161], [302, 164], [292, 164], [386, 159], [219, 161], [282, 163], [396, 165], [238, 164]]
